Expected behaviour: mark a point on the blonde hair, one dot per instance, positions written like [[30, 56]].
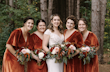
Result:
[[60, 27]]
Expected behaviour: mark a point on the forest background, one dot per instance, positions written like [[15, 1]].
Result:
[[97, 13]]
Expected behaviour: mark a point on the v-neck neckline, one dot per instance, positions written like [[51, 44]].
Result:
[[38, 36], [23, 36], [86, 37], [58, 35], [70, 35]]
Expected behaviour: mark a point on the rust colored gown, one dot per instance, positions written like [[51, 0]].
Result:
[[16, 39], [92, 40], [33, 67], [75, 64]]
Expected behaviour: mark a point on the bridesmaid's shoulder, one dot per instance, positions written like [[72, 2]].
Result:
[[65, 30], [32, 34], [92, 34], [77, 31], [16, 31]]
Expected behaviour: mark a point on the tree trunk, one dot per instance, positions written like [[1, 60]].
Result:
[[102, 24], [29, 2], [67, 10], [11, 5], [50, 8], [43, 7], [63, 10], [95, 26], [10, 14], [6, 2], [78, 9], [97, 23], [70, 7]]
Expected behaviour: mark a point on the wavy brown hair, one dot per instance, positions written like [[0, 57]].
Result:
[[60, 27], [73, 18]]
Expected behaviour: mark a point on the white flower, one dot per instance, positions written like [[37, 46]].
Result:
[[55, 50], [24, 51], [41, 55], [62, 45], [87, 48], [72, 47], [83, 49], [28, 51]]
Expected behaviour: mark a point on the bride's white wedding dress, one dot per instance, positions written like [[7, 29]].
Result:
[[54, 39]]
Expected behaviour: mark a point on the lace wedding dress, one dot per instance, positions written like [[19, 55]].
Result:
[[54, 39]]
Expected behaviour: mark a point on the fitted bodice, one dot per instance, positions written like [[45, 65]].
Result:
[[54, 38]]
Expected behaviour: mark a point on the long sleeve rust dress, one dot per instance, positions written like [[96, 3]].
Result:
[[92, 40], [32, 65], [75, 64], [16, 39]]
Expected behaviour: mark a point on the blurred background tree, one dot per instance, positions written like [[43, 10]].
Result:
[[12, 13]]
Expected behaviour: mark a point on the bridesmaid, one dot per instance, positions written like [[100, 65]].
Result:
[[20, 37], [74, 36], [53, 35], [37, 37], [89, 39]]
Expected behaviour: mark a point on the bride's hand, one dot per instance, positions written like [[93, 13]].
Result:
[[37, 58], [57, 57], [77, 52]]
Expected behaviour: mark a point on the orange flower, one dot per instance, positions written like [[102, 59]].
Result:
[[69, 51]]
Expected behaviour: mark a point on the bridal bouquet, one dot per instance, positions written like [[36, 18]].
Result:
[[24, 55], [41, 54], [86, 53], [56, 52]]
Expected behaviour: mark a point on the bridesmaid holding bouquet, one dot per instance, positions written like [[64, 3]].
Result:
[[73, 36], [89, 39], [37, 37], [19, 38]]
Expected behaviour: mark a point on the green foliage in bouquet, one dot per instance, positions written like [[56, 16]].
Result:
[[23, 56], [86, 54], [41, 54]]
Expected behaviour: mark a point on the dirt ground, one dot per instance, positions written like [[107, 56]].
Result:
[[102, 67], [105, 67]]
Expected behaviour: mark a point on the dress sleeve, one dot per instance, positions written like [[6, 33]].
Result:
[[13, 39], [47, 32], [79, 40], [94, 40]]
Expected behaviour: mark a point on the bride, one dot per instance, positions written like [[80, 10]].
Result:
[[53, 35]]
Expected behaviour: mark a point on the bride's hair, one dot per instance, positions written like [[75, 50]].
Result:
[[60, 27]]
